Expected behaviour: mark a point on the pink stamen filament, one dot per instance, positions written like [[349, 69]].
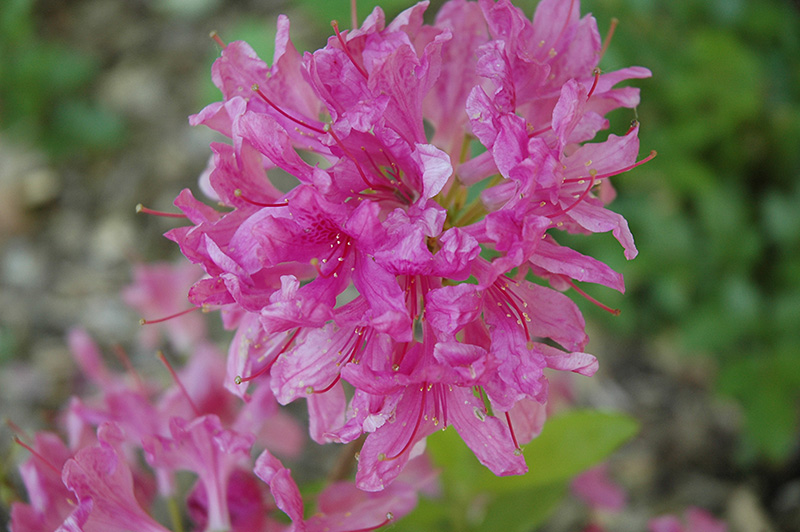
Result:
[[177, 380], [596, 73], [351, 354], [577, 201], [506, 297], [346, 49], [123, 357], [353, 14], [511, 430], [614, 311], [328, 129], [416, 426], [176, 315], [239, 194], [38, 455], [349, 155], [540, 131], [141, 208], [268, 365], [615, 172], [609, 35], [214, 35], [16, 428], [330, 386], [272, 104]]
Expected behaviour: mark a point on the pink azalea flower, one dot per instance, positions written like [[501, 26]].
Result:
[[364, 274]]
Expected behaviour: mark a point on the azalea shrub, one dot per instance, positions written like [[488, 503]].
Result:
[[382, 236]]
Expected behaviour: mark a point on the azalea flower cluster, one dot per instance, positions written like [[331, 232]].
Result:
[[435, 167], [398, 284]]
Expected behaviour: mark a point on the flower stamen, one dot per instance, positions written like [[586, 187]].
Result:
[[609, 35], [408, 444], [239, 194], [272, 104], [346, 49], [595, 177], [37, 454], [239, 379], [177, 380], [141, 208], [217, 39], [596, 74], [614, 311], [143, 321], [513, 436]]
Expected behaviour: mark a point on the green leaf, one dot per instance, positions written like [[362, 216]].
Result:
[[569, 444]]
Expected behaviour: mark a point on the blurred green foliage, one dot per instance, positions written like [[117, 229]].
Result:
[[43, 89]]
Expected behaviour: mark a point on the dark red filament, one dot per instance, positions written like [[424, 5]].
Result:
[[347, 49], [272, 104], [268, 365], [596, 73], [511, 430], [614, 311]]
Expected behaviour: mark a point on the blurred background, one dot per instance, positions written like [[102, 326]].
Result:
[[94, 99]]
